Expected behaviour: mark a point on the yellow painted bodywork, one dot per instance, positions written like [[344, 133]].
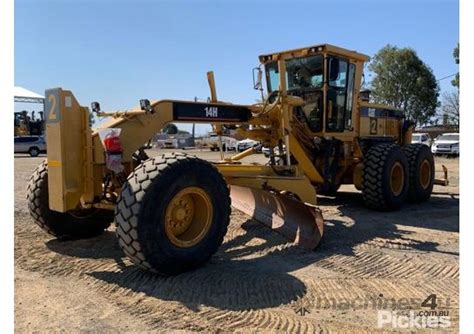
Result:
[[265, 177], [379, 126], [77, 157], [70, 179]]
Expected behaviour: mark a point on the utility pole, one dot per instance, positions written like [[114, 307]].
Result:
[[194, 124]]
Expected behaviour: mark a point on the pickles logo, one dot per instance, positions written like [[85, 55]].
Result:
[[412, 320], [431, 318]]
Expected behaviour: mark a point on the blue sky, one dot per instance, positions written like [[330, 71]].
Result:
[[118, 52]]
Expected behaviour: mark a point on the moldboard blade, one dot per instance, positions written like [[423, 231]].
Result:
[[298, 222]]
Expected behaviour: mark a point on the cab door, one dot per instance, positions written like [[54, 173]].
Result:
[[339, 96]]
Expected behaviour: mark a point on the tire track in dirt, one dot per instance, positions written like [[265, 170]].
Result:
[[381, 265], [111, 281], [137, 291], [235, 291], [326, 291]]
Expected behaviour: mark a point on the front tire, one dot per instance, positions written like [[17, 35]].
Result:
[[421, 172], [63, 225], [385, 177], [173, 213]]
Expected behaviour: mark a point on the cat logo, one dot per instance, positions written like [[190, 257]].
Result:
[[211, 111]]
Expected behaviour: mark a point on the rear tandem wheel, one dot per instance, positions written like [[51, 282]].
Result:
[[421, 171], [385, 177]]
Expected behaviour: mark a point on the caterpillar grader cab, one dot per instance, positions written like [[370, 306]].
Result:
[[172, 210]]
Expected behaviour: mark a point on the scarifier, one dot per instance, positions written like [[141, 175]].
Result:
[[172, 210]]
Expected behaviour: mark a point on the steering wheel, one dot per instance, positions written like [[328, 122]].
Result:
[[272, 97]]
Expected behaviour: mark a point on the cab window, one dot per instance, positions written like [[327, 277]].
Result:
[[339, 94], [273, 80], [349, 100], [304, 73]]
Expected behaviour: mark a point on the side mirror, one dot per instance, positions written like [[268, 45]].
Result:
[[95, 106], [146, 106], [257, 78], [333, 69]]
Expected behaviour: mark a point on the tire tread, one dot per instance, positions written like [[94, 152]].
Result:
[[130, 204]]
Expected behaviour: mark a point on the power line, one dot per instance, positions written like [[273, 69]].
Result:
[[448, 76]]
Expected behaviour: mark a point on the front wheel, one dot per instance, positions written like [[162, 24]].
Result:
[[79, 224], [172, 213]]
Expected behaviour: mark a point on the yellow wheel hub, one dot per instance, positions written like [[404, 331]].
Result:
[[425, 174], [188, 217], [397, 179]]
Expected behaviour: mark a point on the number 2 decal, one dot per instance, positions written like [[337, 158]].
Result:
[[373, 126], [52, 111], [52, 105]]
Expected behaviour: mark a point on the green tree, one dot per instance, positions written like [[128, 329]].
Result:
[[450, 103], [455, 81], [403, 81]]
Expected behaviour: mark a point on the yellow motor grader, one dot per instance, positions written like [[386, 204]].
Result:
[[172, 210]]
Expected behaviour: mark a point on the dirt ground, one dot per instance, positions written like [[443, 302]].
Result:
[[256, 282]]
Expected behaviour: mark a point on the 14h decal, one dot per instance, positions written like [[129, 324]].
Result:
[[211, 111]]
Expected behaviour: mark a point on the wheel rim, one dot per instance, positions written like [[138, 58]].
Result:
[[397, 179], [188, 217], [425, 174]]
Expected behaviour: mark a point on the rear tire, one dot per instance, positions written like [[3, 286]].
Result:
[[154, 226], [385, 177], [421, 172], [63, 225]]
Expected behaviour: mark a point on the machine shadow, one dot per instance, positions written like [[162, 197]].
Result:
[[230, 280], [252, 269], [442, 211], [385, 229], [104, 246]]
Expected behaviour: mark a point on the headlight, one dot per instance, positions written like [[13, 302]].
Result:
[[455, 145]]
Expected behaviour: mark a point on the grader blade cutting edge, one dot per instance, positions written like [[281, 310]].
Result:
[[298, 222]]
